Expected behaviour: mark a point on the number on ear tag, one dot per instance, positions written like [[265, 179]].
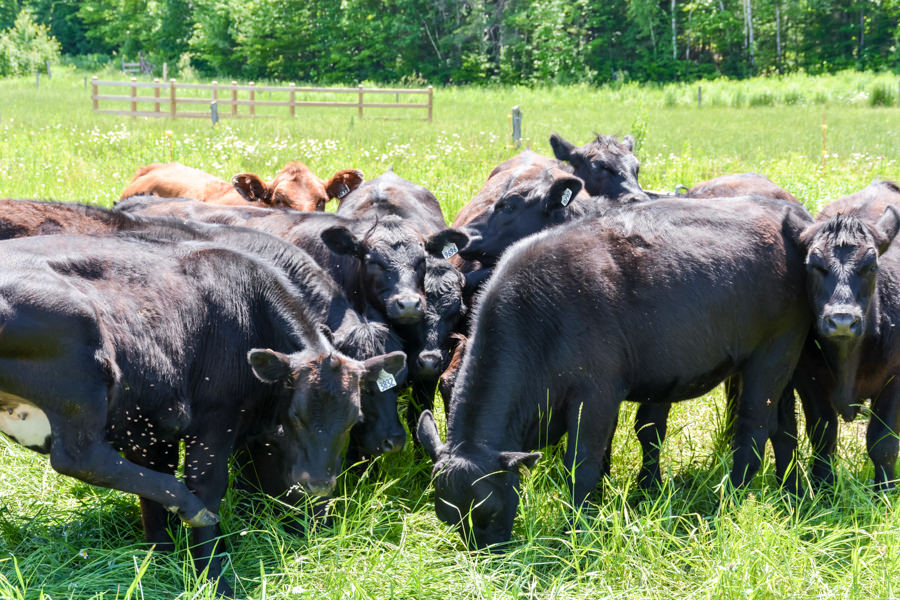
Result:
[[449, 250], [343, 190], [567, 195], [385, 381]]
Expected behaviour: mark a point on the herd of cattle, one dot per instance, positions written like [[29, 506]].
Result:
[[239, 321]]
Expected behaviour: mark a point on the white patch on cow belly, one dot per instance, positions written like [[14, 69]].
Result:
[[26, 424]]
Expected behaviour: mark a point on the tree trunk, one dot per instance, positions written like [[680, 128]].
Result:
[[674, 34], [778, 36], [750, 33]]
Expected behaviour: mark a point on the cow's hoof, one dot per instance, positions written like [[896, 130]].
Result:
[[204, 518]]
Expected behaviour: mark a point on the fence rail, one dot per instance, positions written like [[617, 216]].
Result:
[[166, 100]]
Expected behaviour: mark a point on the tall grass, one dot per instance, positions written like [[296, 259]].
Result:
[[61, 538]]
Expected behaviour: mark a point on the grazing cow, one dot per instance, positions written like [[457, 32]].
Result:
[[294, 187], [740, 184], [638, 304], [428, 342], [355, 335], [853, 279], [381, 265], [151, 344], [607, 166], [522, 196]]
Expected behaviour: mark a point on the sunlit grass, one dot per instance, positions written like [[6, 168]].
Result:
[[65, 539]]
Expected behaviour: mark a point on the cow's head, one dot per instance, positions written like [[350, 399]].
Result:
[[607, 166], [841, 270], [444, 311], [319, 403], [477, 491], [380, 431], [525, 202], [296, 187], [393, 264]]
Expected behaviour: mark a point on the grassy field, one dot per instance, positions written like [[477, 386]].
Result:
[[60, 538]]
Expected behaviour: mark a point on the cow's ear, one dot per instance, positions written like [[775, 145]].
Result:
[[562, 193], [251, 187], [343, 182], [886, 228], [562, 149], [795, 226], [340, 240], [269, 366], [427, 433], [515, 460], [441, 244], [628, 142], [392, 363]]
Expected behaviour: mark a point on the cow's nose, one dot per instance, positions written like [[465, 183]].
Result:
[[842, 325], [429, 361], [408, 307], [392, 444], [319, 487]]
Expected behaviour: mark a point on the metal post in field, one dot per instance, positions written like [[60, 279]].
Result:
[[252, 99], [172, 98], [516, 125], [699, 96], [360, 104], [215, 94], [165, 71], [133, 96], [293, 99], [214, 112], [48, 68], [37, 79], [94, 94], [85, 82]]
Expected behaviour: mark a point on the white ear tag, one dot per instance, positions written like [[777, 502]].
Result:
[[449, 250], [343, 190], [567, 195], [385, 381]]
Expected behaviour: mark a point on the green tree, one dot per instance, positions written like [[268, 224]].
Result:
[[26, 46]]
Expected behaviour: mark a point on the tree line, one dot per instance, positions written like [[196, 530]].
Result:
[[477, 41]]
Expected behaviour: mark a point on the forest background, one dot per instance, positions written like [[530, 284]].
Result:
[[463, 41]]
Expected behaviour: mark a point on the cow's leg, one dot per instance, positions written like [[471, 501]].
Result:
[[650, 422], [821, 422], [157, 521], [763, 379], [882, 434], [590, 418], [79, 449], [206, 474], [783, 434]]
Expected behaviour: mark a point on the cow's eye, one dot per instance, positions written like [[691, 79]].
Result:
[[819, 268], [505, 207]]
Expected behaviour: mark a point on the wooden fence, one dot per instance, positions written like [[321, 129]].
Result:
[[166, 101]]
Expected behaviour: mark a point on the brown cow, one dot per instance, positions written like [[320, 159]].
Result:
[[294, 187], [740, 184]]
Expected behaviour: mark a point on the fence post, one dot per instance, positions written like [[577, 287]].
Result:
[[172, 98], [156, 94], [430, 102], [94, 94], [133, 96], [234, 98], [165, 71], [252, 99], [517, 125], [699, 96], [360, 105], [214, 112], [215, 91], [293, 97]]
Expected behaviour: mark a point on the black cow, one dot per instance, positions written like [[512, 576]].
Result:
[[607, 166], [655, 302], [151, 344], [428, 342], [355, 335], [380, 265], [853, 278], [521, 196], [739, 184]]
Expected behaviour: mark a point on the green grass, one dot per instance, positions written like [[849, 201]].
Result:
[[61, 538]]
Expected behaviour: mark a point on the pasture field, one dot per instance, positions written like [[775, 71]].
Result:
[[60, 538]]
